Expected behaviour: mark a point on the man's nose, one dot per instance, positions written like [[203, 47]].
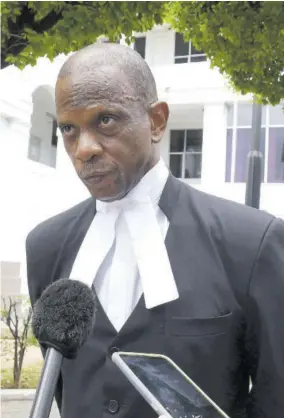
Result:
[[88, 146]]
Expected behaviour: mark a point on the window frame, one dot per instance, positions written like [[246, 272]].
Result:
[[184, 153], [234, 127], [189, 56], [139, 37]]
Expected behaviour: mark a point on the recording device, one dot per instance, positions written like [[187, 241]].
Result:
[[165, 387], [63, 318]]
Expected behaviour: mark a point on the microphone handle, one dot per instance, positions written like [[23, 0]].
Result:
[[47, 384]]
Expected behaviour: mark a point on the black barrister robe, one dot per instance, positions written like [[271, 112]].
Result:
[[227, 325]]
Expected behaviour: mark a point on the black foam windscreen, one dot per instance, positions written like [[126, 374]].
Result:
[[64, 316]]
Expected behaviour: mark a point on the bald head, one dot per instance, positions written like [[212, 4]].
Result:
[[120, 63]]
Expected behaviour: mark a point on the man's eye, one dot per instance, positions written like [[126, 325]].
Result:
[[106, 120], [67, 129]]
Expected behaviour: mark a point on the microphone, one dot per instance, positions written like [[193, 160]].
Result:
[[63, 318]]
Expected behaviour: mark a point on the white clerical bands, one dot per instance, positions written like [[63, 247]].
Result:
[[153, 263]]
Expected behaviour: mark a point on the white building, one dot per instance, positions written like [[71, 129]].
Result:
[[206, 143]]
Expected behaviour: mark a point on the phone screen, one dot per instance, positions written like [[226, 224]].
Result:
[[170, 388]]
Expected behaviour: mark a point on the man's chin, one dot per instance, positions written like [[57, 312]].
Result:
[[106, 194]]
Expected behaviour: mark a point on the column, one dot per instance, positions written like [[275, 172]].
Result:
[[214, 146]]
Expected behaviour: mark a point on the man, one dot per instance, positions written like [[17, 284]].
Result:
[[176, 271]]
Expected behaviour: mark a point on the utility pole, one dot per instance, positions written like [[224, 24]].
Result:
[[255, 160]]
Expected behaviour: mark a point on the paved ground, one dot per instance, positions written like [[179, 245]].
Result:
[[21, 409]]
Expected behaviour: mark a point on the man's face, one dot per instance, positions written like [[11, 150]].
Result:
[[107, 132]]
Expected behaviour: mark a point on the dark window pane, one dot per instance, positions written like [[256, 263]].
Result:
[[276, 115], [54, 138], [275, 156], [243, 147], [176, 165], [197, 58], [140, 45], [229, 148], [177, 141], [181, 47], [194, 140], [200, 54], [181, 60], [193, 166], [195, 51]]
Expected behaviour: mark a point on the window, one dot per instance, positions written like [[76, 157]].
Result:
[[34, 148], [239, 137], [140, 45], [186, 52], [54, 137], [186, 153]]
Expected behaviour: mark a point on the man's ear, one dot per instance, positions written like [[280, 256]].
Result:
[[159, 114]]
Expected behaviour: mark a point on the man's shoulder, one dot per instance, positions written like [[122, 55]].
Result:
[[52, 228], [226, 214]]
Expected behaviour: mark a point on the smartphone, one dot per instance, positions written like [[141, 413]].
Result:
[[166, 388]]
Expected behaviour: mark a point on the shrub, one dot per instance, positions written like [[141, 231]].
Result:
[[19, 333], [29, 377]]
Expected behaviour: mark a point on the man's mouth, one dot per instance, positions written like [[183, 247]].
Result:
[[97, 176], [97, 173]]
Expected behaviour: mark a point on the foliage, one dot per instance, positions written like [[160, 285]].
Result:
[[20, 335], [244, 39], [29, 377], [33, 29]]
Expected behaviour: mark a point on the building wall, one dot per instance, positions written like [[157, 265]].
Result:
[[42, 118], [32, 191]]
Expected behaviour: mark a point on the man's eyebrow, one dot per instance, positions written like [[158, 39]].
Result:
[[103, 107], [63, 122], [70, 116]]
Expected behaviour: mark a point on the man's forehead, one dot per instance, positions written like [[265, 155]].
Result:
[[87, 88]]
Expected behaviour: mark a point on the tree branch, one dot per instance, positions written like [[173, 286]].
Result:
[[8, 317], [16, 31]]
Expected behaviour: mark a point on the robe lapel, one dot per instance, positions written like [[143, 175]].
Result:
[[169, 200], [142, 317], [171, 203], [184, 235]]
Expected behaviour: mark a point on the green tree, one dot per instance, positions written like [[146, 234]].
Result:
[[244, 39], [18, 324], [37, 28]]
